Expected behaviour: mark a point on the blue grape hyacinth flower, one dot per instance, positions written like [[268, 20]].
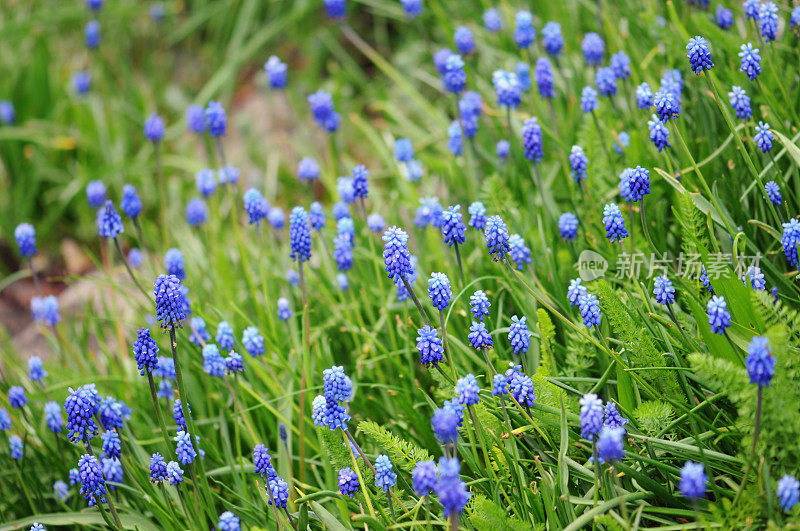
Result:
[[7, 112], [228, 175], [213, 362], [454, 77], [423, 477], [255, 205], [154, 128], [667, 105], [755, 278], [794, 19], [396, 255], [740, 103], [284, 310], [412, 8], [751, 61], [612, 416], [96, 193], [724, 17], [479, 337], [348, 482], [228, 522], [663, 290], [492, 20], [81, 406], [360, 183], [454, 138], [109, 223], [385, 478], [523, 71], [518, 335], [91, 34], [763, 137], [496, 234], [659, 133], [544, 78], [93, 484], [440, 60], [477, 214], [174, 263], [606, 81], [575, 291], [614, 223], [25, 235], [52, 416], [17, 397], [768, 21], [299, 235], [479, 305], [465, 42], [215, 118], [532, 139], [316, 216], [578, 162], [699, 55], [467, 390], [790, 240], [170, 311], [196, 212], [81, 82], [623, 141], [376, 223], [590, 310], [524, 32], [307, 169], [589, 99], [788, 492], [644, 96], [205, 181], [552, 39], [196, 119], [451, 491], [507, 88], [403, 150], [773, 192], [429, 346], [322, 109], [519, 252], [174, 473], [718, 315], [634, 184], [158, 468], [145, 351], [439, 291], [760, 362], [591, 416], [275, 70], [452, 226], [693, 480], [621, 65], [610, 444], [593, 48], [130, 204], [568, 226]]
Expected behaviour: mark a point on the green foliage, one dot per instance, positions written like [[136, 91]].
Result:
[[546, 337], [638, 342], [404, 454], [653, 416], [486, 515]]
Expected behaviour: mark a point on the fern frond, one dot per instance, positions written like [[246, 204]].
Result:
[[402, 453], [485, 515]]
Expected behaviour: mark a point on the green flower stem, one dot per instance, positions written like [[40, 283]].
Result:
[[205, 491], [702, 179], [447, 352], [128, 267], [414, 298], [162, 194], [752, 454], [712, 83], [306, 361], [364, 489], [159, 415]]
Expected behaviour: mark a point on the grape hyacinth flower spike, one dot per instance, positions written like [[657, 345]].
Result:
[[397, 261], [453, 229], [25, 235]]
